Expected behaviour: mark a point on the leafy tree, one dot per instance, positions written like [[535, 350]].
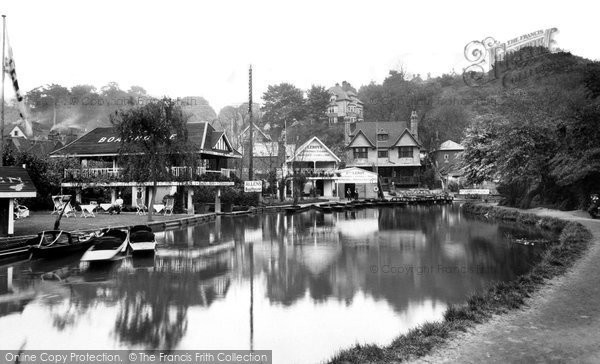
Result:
[[283, 103], [154, 139], [317, 100]]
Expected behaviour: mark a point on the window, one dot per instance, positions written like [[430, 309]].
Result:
[[382, 137], [360, 153], [405, 152], [382, 153]]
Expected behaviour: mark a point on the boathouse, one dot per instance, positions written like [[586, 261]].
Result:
[[98, 155], [318, 163]]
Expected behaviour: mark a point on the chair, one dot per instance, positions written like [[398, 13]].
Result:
[[141, 208], [169, 204], [69, 210], [58, 204]]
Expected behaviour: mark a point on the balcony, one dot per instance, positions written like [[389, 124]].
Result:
[[406, 180], [117, 174]]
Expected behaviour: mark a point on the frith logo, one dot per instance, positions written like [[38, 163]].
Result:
[[489, 54]]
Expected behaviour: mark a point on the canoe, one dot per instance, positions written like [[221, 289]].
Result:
[[51, 244], [142, 240], [110, 246]]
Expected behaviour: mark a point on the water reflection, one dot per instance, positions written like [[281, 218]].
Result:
[[286, 283]]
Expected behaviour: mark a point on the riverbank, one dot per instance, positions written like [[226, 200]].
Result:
[[481, 312]]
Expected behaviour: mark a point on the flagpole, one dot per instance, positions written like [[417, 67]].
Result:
[[3, 73]]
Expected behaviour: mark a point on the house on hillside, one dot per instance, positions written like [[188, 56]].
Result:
[[40, 131], [98, 156], [391, 148], [447, 160], [344, 106]]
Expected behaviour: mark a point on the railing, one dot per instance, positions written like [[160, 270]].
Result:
[[92, 172], [405, 180], [115, 173]]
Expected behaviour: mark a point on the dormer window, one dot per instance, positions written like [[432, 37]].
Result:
[[382, 136]]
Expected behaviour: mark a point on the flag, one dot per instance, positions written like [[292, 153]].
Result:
[[9, 64]]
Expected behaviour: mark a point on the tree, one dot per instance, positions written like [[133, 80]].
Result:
[[154, 139], [282, 103], [317, 101]]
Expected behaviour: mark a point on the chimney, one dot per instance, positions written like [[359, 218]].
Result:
[[414, 124]]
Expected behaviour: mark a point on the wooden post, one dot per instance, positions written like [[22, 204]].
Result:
[[218, 201], [11, 216], [190, 202], [134, 191], [78, 195]]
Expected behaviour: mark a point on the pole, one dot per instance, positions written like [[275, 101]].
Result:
[[3, 74], [251, 155]]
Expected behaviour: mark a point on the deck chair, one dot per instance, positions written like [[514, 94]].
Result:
[[169, 204], [141, 208], [69, 210], [58, 205]]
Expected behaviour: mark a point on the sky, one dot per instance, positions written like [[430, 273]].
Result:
[[204, 48]]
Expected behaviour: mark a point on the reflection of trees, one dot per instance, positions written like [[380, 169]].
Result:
[[154, 303], [449, 258]]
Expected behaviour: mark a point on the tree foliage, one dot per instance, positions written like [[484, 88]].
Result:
[[283, 103], [154, 139], [541, 140]]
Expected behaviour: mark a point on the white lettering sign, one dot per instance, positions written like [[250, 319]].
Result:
[[252, 186], [474, 191]]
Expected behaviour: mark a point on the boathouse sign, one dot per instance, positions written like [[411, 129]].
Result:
[[114, 139]]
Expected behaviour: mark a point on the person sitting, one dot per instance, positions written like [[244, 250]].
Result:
[[117, 206]]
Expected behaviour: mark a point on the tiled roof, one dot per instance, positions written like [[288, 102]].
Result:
[[450, 145], [394, 129], [106, 141]]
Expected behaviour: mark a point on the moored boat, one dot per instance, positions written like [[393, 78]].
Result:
[[57, 243], [111, 245], [142, 240]]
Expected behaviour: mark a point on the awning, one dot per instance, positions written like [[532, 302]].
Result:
[[15, 183]]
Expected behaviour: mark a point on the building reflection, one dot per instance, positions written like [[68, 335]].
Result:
[[417, 252]]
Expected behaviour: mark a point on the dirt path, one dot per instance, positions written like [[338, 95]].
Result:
[[561, 322]]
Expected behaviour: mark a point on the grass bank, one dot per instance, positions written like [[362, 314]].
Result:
[[498, 298]]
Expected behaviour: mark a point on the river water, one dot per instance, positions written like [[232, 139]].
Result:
[[304, 286]]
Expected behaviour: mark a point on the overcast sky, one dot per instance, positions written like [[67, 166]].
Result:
[[185, 48]]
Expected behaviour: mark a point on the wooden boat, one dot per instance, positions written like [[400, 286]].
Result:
[[142, 240], [295, 208], [326, 208], [51, 244], [339, 207], [111, 245]]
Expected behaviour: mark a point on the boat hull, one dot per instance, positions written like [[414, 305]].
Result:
[[58, 252]]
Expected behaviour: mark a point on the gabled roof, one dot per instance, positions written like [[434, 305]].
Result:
[[245, 130], [341, 94], [320, 154], [450, 145], [407, 132], [359, 133], [105, 141], [394, 129]]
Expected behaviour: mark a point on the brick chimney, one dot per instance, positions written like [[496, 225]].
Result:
[[414, 124]]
